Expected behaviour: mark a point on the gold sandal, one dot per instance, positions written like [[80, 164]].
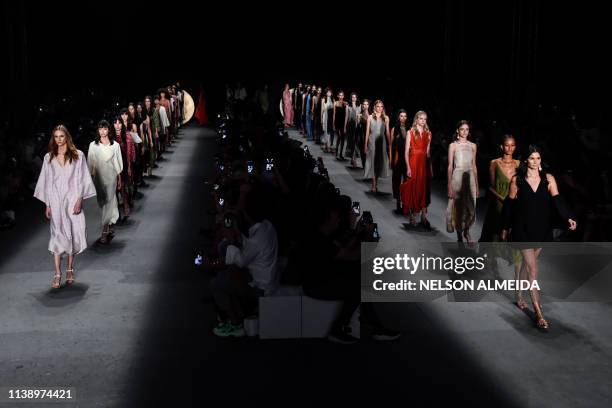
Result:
[[70, 276], [57, 281], [540, 321]]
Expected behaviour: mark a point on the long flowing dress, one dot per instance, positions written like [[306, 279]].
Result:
[[308, 116], [288, 108], [59, 187], [362, 125], [492, 222], [316, 118], [105, 163], [339, 127], [152, 145], [167, 112], [414, 191], [377, 158], [491, 226], [128, 155], [351, 129], [327, 109], [165, 122], [398, 160], [461, 210]]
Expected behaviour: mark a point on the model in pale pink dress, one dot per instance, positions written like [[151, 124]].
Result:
[[287, 106], [63, 184]]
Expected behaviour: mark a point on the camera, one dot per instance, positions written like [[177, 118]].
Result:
[[356, 208], [375, 234]]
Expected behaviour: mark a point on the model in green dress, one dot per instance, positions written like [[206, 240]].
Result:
[[501, 171]]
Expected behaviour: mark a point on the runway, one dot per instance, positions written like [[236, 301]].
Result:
[[569, 366], [91, 335], [135, 330]]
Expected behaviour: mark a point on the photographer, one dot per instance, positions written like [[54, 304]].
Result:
[[332, 256]]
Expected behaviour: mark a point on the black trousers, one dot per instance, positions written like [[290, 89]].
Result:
[[231, 290]]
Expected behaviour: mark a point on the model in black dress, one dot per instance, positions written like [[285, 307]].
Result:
[[398, 159], [316, 115], [340, 118], [527, 217]]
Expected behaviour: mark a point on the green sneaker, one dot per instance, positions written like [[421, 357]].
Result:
[[227, 329], [221, 327]]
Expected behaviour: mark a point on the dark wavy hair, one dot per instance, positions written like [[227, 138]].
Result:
[[111, 131], [522, 170], [369, 111], [123, 128], [151, 108], [130, 120], [397, 123], [325, 99]]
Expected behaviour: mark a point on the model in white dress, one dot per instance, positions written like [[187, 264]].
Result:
[[105, 164]]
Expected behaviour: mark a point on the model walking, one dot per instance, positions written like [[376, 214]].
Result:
[[64, 182]]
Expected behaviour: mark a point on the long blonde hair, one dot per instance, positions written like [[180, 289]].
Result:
[[383, 116], [71, 151], [414, 124]]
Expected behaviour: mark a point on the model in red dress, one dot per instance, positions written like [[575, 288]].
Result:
[[414, 192]]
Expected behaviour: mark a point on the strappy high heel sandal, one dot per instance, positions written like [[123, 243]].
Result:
[[57, 280], [70, 276], [104, 238], [540, 321]]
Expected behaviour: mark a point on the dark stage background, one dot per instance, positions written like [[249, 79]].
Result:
[[512, 55]]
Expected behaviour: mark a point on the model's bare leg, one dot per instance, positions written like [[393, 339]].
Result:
[[105, 232], [57, 279], [530, 259], [520, 273], [70, 270]]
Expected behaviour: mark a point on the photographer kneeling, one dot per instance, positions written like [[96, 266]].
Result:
[[333, 267], [250, 266]]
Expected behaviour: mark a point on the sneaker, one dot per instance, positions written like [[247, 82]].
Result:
[[383, 334], [227, 329], [342, 335]]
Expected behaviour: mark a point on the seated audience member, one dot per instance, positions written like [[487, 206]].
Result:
[[251, 267], [333, 270]]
